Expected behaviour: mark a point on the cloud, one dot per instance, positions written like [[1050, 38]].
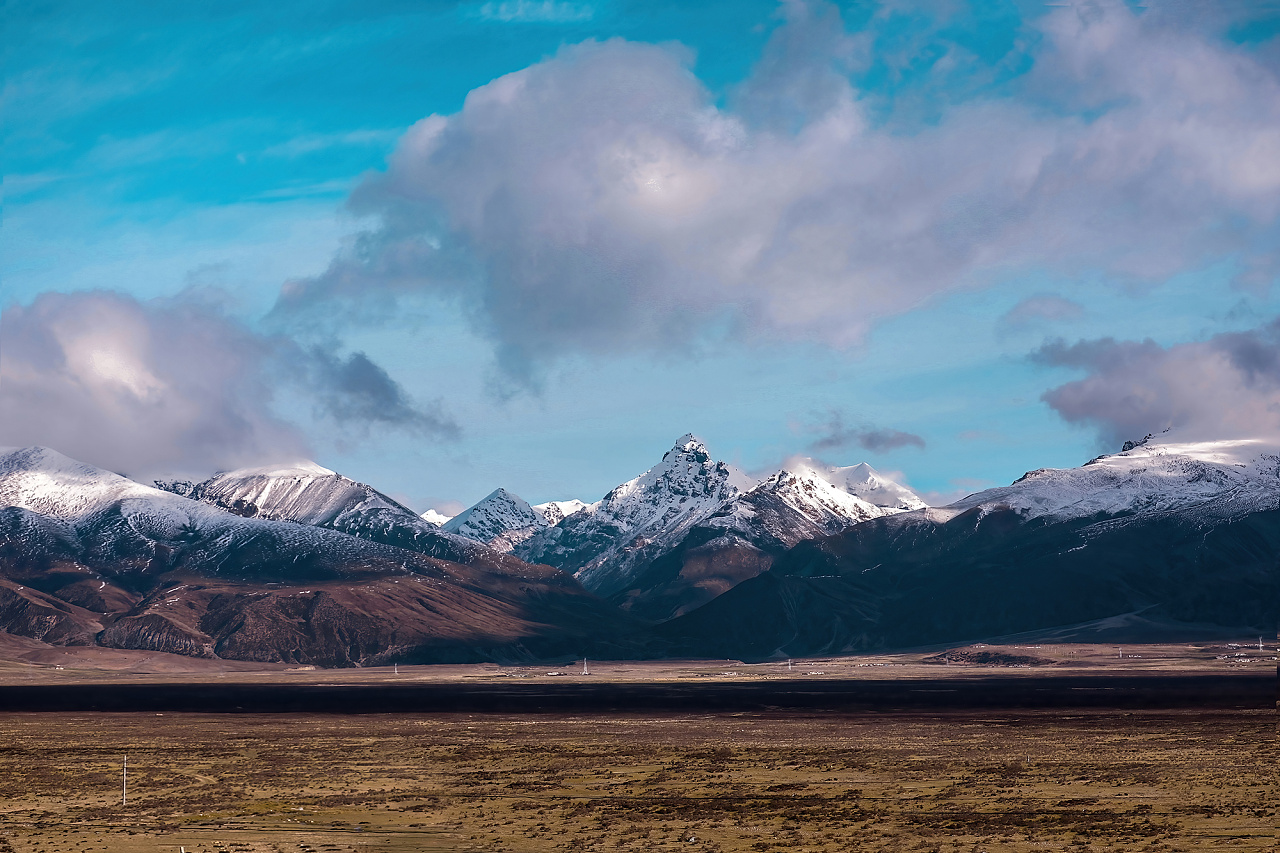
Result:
[[356, 392], [1225, 387], [601, 201], [176, 386], [528, 11], [1039, 310], [835, 434], [310, 143]]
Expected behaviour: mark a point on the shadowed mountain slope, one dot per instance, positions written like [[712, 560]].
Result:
[[1179, 533]]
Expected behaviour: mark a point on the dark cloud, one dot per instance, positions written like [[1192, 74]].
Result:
[[1225, 387], [835, 434], [601, 200], [356, 392], [176, 386]]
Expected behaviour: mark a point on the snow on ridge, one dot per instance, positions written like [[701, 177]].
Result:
[[861, 481], [604, 541], [436, 518], [301, 468], [500, 520], [308, 494], [87, 498], [1149, 477], [45, 481], [1242, 452], [557, 511]]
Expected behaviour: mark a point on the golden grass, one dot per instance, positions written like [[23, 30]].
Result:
[[948, 782]]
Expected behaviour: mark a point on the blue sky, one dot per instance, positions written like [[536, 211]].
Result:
[[234, 234]]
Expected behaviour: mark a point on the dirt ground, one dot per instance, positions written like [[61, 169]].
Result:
[[25, 661], [948, 782]]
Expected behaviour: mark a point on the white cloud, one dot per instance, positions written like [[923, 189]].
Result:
[[1224, 387], [550, 11], [175, 386], [600, 201]]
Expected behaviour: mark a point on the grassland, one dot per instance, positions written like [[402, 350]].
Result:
[[950, 780]]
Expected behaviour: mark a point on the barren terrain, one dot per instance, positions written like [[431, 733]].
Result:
[[1148, 776]]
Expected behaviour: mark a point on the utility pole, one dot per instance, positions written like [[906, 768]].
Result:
[[124, 783]]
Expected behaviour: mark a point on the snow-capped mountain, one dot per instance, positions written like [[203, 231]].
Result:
[[86, 501], [867, 483], [88, 557], [1222, 479], [804, 500], [309, 494], [557, 511], [605, 542], [500, 520], [437, 519], [1180, 533]]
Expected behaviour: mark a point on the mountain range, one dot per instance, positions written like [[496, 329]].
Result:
[[291, 565], [685, 530], [297, 563], [1173, 537]]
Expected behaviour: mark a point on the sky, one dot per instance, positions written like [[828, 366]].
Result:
[[444, 247]]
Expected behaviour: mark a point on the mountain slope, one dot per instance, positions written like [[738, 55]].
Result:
[[87, 556], [1182, 533]]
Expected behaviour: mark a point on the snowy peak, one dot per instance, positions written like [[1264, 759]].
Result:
[[604, 542], [44, 481], [557, 511], [686, 472], [436, 518], [501, 520], [872, 486], [806, 500], [812, 495], [839, 496]]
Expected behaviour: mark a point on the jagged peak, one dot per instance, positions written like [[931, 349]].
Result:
[[501, 494], [688, 446], [557, 511]]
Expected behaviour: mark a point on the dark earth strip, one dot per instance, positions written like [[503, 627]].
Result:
[[1236, 691]]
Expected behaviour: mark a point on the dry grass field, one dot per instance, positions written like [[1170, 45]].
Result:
[[953, 780]]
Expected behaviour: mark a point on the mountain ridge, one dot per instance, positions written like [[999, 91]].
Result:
[[88, 557], [1188, 533]]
